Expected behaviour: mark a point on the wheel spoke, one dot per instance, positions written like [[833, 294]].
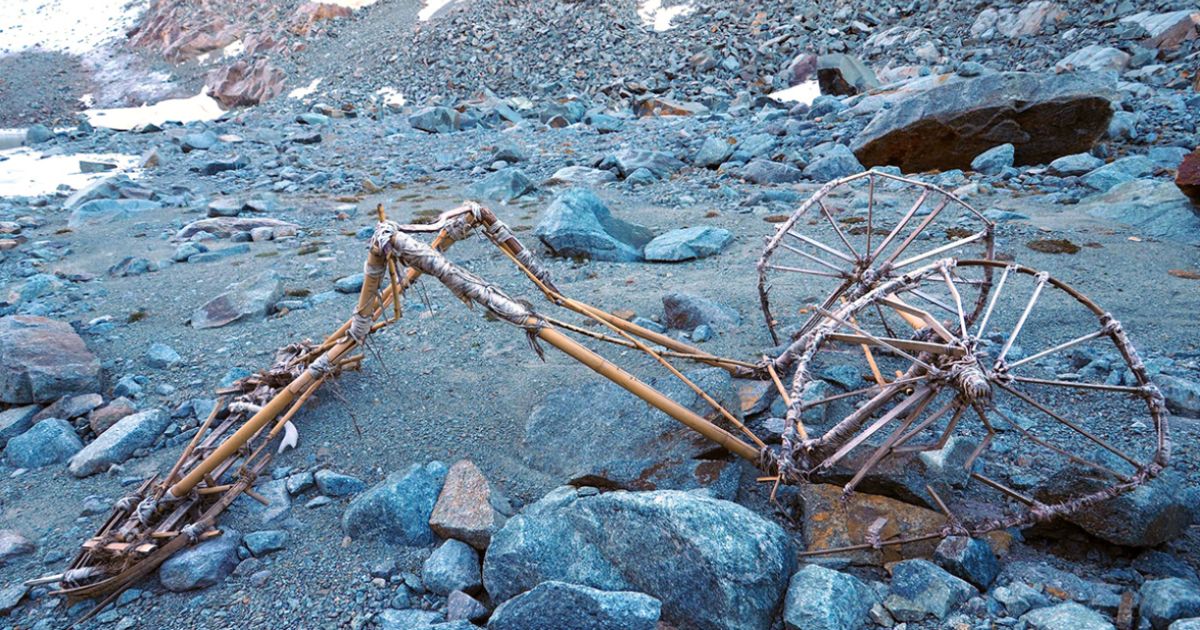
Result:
[[819, 261], [819, 245], [1060, 347], [891, 342], [878, 341], [811, 272], [858, 392], [916, 232], [962, 317], [919, 397], [1074, 458], [992, 304], [939, 250], [1078, 429], [1012, 337], [1078, 385], [837, 228], [900, 226]]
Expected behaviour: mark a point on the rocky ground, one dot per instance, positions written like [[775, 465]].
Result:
[[432, 486]]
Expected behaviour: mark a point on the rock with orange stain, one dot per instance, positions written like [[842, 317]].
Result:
[[829, 523]]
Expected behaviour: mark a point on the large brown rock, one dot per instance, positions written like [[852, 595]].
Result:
[[42, 360], [464, 508], [242, 83], [945, 127], [309, 13], [830, 523], [1167, 30], [1188, 176]]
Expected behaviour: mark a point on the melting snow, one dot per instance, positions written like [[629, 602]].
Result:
[[653, 13], [431, 8], [352, 4], [27, 173], [72, 26], [184, 110], [802, 93], [391, 96], [301, 92]]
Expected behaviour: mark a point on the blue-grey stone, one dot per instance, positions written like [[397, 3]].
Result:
[[48, 442], [994, 160], [234, 163], [162, 356], [187, 250], [312, 118], [132, 266], [408, 619], [713, 152], [1066, 616], [626, 161], [1123, 126], [762, 171], [687, 244], [578, 223], [1074, 164], [823, 599], [15, 421], [333, 484], [554, 605], [454, 566], [435, 120], [727, 566], [220, 254], [37, 134], [127, 386], [838, 162], [1119, 171], [115, 445], [200, 141], [1019, 598], [203, 565], [349, 284], [684, 311], [397, 509], [968, 558], [505, 184], [109, 210], [759, 145], [922, 589], [1168, 600], [266, 541], [1002, 216], [641, 177], [1167, 157], [702, 333], [1153, 564]]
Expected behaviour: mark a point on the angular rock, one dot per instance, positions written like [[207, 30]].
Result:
[[13, 544], [921, 589], [435, 120], [203, 565], [408, 619], [1076, 164], [251, 298], [1153, 208], [578, 223], [687, 244], [42, 360], [464, 510], [823, 599], [1187, 178], [662, 165], [994, 160], [554, 605], [162, 356], [581, 176], [970, 559], [333, 484], [115, 445], [1014, 23], [1066, 616], [684, 311], [726, 567], [15, 421], [101, 418], [454, 566], [762, 171], [836, 163], [1182, 395], [713, 152], [278, 507], [11, 596], [658, 106], [1119, 171], [225, 227], [844, 75], [1019, 598], [212, 167], [264, 542], [1042, 116], [460, 606], [1095, 58], [243, 84], [398, 508], [109, 211], [48, 442], [829, 523], [505, 184], [1166, 601], [1166, 30]]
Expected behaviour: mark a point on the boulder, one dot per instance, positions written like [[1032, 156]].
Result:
[[242, 84], [101, 418], [995, 160], [464, 507], [829, 523], [578, 223], [687, 244], [1095, 58], [203, 565], [115, 445], [1076, 164], [1119, 171], [713, 564], [1182, 395], [398, 508], [333, 484], [162, 356], [463, 607], [554, 605], [1187, 178], [1029, 19], [1066, 616], [454, 566], [42, 360], [15, 421], [266, 541], [844, 75], [836, 163], [225, 227], [684, 311], [921, 589], [580, 176], [945, 127], [626, 161], [599, 434], [1152, 208], [408, 619], [968, 558], [762, 171], [435, 120], [1169, 600], [505, 185], [713, 152], [48, 442], [253, 297], [14, 544], [109, 211], [819, 598], [1017, 598], [1166, 31]]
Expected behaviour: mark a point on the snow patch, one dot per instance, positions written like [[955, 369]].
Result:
[[391, 96], [71, 26], [302, 92], [352, 4], [25, 172], [431, 8], [804, 93], [184, 110], [653, 13]]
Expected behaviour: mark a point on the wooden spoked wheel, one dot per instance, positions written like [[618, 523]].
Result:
[[859, 231]]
